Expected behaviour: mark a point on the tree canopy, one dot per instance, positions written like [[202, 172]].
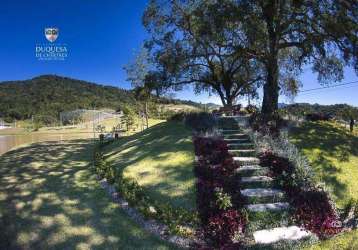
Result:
[[320, 33], [232, 47], [194, 42]]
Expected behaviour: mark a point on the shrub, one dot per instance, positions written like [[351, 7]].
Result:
[[223, 227], [276, 164], [318, 117], [314, 210], [200, 122], [252, 109], [179, 117], [205, 146], [267, 125]]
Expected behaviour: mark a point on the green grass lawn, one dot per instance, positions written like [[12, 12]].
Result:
[[81, 128], [50, 199], [333, 153], [161, 160]]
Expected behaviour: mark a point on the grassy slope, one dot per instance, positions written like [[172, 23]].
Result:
[[161, 159], [86, 128], [49, 199], [333, 152]]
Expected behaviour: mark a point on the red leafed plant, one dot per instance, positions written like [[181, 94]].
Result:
[[315, 211], [313, 207], [205, 146], [215, 171], [276, 164], [223, 227]]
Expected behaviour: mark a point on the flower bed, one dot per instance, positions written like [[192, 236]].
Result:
[[219, 201], [313, 207]]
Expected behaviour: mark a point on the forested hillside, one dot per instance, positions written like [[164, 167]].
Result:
[[343, 111], [49, 95]]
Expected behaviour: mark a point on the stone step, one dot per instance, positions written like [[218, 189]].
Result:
[[223, 130], [268, 207], [261, 192], [263, 195], [256, 182], [244, 145], [251, 170], [260, 220], [256, 179], [242, 140], [242, 152], [236, 136], [247, 160], [228, 132], [273, 235]]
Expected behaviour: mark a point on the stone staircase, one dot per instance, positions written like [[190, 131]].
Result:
[[268, 209]]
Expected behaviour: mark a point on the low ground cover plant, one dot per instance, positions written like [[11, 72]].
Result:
[[218, 197]]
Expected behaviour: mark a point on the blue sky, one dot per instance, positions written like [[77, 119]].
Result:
[[101, 37]]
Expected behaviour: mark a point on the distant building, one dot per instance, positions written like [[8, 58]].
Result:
[[3, 124]]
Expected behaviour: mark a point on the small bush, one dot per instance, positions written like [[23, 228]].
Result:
[[223, 227], [200, 122], [205, 146], [318, 117], [314, 210], [178, 117], [267, 125], [251, 109], [223, 200]]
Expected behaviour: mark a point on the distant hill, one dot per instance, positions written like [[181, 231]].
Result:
[[50, 94], [212, 106], [282, 105], [335, 110]]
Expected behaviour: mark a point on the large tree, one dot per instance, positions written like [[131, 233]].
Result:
[[195, 42], [298, 32]]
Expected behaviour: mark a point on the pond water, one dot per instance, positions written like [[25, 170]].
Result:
[[8, 142]]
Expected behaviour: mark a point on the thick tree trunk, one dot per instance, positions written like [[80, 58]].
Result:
[[271, 89], [229, 101]]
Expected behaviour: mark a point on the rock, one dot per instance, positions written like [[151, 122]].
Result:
[[280, 233]]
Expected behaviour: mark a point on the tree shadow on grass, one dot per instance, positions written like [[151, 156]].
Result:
[[326, 144], [49, 199], [165, 154]]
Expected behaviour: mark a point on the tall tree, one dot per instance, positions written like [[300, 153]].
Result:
[[143, 79], [195, 42], [319, 33]]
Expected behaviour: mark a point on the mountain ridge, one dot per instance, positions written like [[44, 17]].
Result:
[[48, 95]]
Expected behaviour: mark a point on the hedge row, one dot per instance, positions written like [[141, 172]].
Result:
[[177, 219]]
